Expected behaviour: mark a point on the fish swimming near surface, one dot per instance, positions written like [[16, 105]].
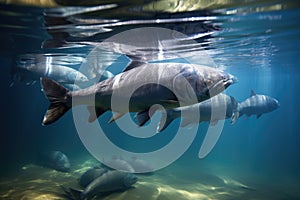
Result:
[[214, 109], [59, 73], [146, 85], [90, 175], [257, 104], [110, 181], [54, 160], [59, 67]]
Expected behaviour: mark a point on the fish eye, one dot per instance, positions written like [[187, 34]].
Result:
[[209, 82]]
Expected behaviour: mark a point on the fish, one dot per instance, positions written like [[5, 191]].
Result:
[[167, 84], [140, 165], [63, 68], [110, 181], [118, 164], [229, 182], [54, 160], [91, 174], [59, 73], [216, 104], [257, 104]]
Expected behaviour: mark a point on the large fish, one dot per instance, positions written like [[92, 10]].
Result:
[[110, 181], [222, 105], [145, 86], [257, 104]]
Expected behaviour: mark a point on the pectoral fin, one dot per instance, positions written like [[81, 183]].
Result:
[[234, 117], [258, 116], [95, 113], [167, 117], [115, 117], [142, 117]]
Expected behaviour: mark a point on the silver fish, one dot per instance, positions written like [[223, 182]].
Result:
[[216, 103], [167, 84], [59, 73], [110, 181], [257, 104]]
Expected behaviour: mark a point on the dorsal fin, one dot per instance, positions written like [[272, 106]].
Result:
[[135, 61], [252, 93]]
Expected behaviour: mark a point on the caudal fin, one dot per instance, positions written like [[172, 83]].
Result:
[[60, 101]]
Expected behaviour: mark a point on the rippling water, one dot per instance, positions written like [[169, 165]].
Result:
[[258, 41], [230, 31]]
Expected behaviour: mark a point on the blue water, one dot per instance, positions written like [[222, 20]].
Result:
[[258, 43]]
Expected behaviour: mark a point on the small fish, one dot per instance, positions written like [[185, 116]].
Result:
[[216, 104], [118, 164], [59, 73], [110, 181], [54, 160], [140, 165], [257, 104], [145, 86]]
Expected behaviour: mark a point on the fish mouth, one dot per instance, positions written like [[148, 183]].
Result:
[[229, 80], [221, 85], [227, 83], [233, 78], [277, 103]]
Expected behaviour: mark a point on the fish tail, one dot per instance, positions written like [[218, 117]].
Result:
[[60, 100], [167, 117]]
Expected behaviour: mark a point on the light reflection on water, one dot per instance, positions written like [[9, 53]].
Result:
[[221, 27]]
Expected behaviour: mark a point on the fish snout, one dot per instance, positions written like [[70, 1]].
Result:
[[134, 179], [130, 179], [229, 79], [221, 82], [277, 103], [233, 78]]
